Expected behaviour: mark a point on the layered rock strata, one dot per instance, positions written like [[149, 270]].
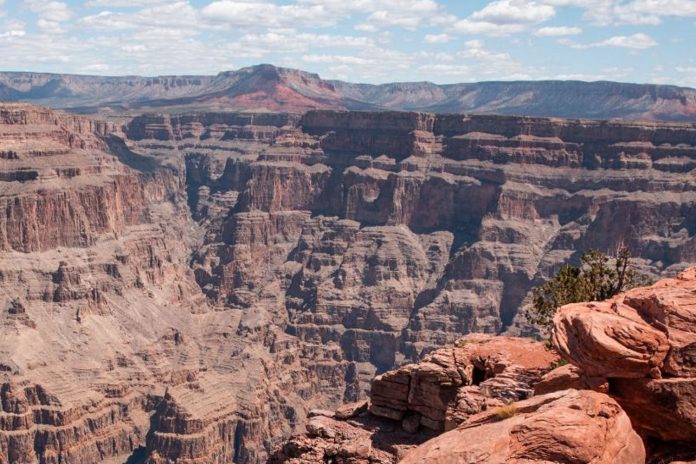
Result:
[[110, 351], [566, 426], [385, 234], [265, 88], [187, 288]]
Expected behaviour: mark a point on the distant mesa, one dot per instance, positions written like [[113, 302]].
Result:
[[266, 88]]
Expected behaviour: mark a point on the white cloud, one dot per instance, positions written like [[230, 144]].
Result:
[[636, 12], [123, 3], [13, 33], [436, 38], [466, 26], [51, 15], [475, 50], [265, 14], [338, 59], [504, 17], [637, 41], [514, 12], [408, 14], [179, 17], [557, 31], [652, 11], [290, 40]]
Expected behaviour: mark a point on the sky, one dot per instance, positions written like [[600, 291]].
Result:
[[373, 41]]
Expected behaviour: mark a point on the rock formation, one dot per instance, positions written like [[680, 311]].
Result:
[[416, 402], [641, 342], [188, 287], [572, 417], [477, 373], [567, 426], [109, 347], [385, 234]]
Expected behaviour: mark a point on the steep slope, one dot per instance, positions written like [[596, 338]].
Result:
[[268, 88], [109, 350], [186, 288]]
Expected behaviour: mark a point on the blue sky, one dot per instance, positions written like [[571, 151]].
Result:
[[358, 40]]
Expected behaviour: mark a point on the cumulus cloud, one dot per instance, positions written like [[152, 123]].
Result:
[[407, 14], [179, 17], [436, 38], [123, 3], [467, 26], [557, 31], [514, 12], [475, 50], [13, 33], [635, 12], [505, 17], [51, 14], [265, 14], [637, 41]]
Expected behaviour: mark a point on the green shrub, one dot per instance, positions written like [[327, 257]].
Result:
[[598, 278]]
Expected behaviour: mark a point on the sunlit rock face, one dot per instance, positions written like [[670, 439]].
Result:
[[187, 287]]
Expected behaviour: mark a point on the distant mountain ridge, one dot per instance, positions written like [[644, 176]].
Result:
[[267, 88]]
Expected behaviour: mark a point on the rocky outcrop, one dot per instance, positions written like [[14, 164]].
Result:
[[609, 340], [416, 402], [567, 426], [482, 388], [478, 373], [570, 376], [640, 341], [572, 417]]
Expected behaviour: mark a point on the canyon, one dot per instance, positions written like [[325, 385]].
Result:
[[189, 287], [267, 88]]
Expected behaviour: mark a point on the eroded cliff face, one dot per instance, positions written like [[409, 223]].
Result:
[[110, 350], [389, 233], [188, 287]]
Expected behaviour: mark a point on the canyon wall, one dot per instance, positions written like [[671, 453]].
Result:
[[187, 287]]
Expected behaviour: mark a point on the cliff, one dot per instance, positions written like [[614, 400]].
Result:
[[188, 287]]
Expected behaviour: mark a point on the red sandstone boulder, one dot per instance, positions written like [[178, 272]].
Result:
[[609, 339], [670, 305], [567, 426], [635, 340], [350, 410]]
